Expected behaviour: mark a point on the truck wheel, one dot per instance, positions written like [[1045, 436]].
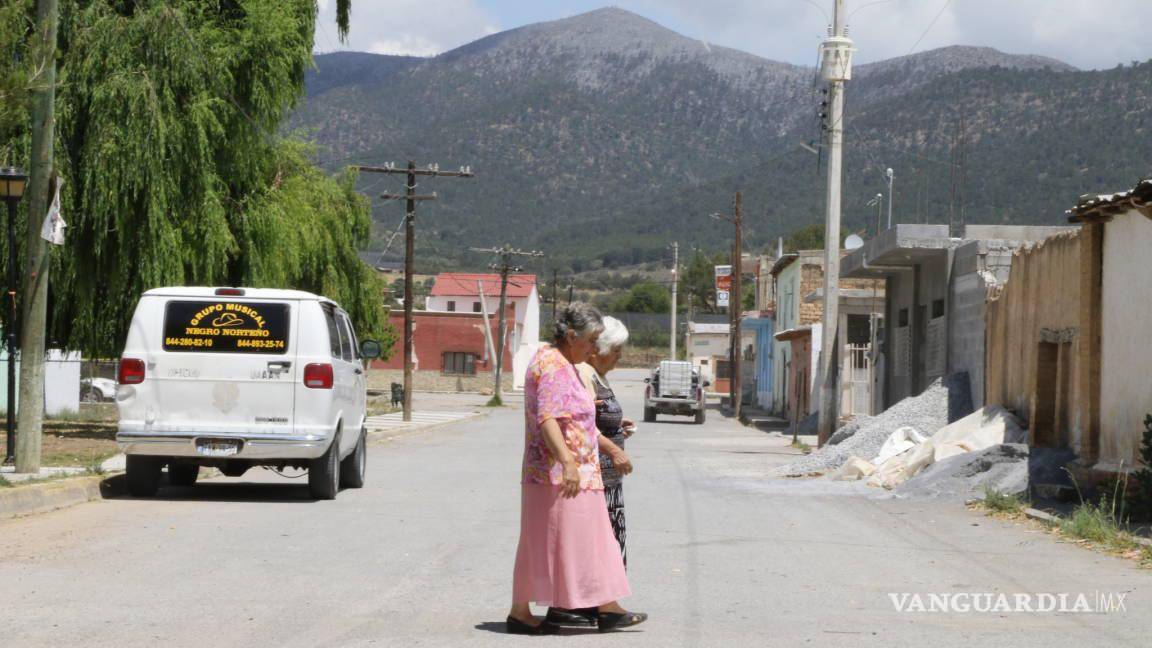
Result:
[[700, 416], [324, 472], [143, 475], [354, 466], [183, 474], [649, 414]]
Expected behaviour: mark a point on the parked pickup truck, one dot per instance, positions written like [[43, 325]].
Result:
[[675, 387]]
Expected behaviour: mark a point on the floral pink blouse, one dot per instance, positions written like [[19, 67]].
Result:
[[553, 390]]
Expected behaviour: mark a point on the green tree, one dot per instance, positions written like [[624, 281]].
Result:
[[645, 297], [698, 282], [175, 171]]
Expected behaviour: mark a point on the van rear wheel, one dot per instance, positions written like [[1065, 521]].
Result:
[[143, 475], [700, 416], [649, 414], [183, 474], [324, 472], [355, 465]]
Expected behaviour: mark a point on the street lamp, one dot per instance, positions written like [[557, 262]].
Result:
[[12, 182]]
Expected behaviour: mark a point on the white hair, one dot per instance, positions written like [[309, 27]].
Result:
[[615, 335]]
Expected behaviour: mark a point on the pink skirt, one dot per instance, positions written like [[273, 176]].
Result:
[[568, 556]]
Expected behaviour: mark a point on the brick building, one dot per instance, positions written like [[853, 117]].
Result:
[[450, 352]]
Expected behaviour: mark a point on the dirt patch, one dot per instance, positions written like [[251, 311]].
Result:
[[75, 443]]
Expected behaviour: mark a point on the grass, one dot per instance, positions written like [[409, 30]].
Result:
[[4, 483], [495, 401], [998, 502], [801, 446]]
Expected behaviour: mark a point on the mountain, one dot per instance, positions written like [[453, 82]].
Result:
[[602, 137]]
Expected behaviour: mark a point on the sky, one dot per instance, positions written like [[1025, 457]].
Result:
[[1089, 34]]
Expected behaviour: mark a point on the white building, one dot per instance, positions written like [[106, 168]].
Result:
[[460, 292], [704, 345]]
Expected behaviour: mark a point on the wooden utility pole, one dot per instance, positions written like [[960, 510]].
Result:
[[504, 267], [35, 310], [836, 68], [411, 198], [736, 308]]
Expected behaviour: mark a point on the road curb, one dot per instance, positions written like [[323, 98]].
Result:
[[49, 496]]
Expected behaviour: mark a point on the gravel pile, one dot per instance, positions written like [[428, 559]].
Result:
[[1002, 468], [927, 413]]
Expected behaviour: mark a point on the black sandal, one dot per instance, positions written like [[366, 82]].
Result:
[[610, 621], [517, 627], [577, 618]]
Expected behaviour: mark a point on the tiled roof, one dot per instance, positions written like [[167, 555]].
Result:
[[1101, 208], [462, 284]]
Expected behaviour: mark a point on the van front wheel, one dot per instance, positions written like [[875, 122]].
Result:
[[143, 475], [355, 465], [324, 473]]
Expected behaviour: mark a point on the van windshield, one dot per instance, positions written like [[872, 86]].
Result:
[[223, 326]]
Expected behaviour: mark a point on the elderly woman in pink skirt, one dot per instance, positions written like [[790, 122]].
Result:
[[568, 556]]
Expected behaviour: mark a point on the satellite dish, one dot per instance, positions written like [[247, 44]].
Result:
[[853, 242]]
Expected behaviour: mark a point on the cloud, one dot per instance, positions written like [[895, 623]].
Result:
[[1085, 33], [409, 27]]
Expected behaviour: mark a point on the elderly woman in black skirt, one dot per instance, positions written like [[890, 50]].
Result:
[[614, 464]]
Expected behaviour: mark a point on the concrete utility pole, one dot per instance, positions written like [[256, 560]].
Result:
[[891, 175], [504, 267], [675, 282], [410, 198], [836, 68], [31, 415]]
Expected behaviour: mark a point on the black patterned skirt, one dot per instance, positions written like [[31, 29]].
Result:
[[614, 497]]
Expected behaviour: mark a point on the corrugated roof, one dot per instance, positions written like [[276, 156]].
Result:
[[463, 284], [1102, 208]]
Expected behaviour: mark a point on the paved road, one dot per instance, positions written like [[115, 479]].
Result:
[[422, 556]]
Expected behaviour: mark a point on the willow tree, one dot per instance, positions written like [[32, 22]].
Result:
[[176, 174]]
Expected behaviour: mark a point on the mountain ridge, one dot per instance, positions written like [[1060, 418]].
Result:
[[606, 134]]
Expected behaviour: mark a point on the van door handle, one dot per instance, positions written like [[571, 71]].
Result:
[[279, 366], [358, 371]]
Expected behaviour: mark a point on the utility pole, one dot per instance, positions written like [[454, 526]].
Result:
[[555, 289], [891, 175], [675, 281], [411, 198], [836, 68], [504, 267], [35, 310], [736, 306]]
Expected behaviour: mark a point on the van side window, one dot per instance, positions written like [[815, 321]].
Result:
[[346, 351], [352, 335], [333, 331]]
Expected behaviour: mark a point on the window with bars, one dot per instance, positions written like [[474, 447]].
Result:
[[451, 306], [459, 363]]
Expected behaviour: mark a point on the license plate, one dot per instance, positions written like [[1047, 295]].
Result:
[[217, 448]]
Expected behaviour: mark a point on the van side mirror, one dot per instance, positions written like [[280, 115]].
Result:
[[648, 380], [371, 349], [707, 383]]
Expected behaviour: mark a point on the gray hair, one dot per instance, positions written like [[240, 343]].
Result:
[[578, 317], [615, 335]]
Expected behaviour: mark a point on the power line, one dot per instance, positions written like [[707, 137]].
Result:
[[411, 198], [930, 26]]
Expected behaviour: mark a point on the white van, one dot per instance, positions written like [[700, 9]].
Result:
[[239, 377]]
